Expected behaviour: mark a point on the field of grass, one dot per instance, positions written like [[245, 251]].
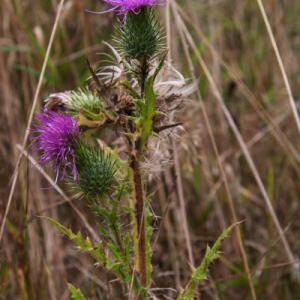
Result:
[[236, 157]]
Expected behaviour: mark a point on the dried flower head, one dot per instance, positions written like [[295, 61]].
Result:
[[58, 101], [55, 136]]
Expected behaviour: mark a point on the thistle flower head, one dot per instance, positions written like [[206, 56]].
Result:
[[123, 7], [55, 136]]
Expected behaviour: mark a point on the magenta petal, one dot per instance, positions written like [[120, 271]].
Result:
[[123, 7], [55, 136]]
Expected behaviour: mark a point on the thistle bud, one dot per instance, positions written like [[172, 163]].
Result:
[[96, 171], [85, 102], [140, 36]]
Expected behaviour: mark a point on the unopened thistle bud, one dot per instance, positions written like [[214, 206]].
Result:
[[140, 37], [96, 171], [85, 102]]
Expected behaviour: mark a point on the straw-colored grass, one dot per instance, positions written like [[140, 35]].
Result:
[[237, 160]]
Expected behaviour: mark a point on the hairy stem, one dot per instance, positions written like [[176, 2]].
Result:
[[139, 212]]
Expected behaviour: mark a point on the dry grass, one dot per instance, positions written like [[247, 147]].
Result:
[[238, 158]]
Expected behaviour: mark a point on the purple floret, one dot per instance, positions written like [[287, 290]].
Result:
[[123, 7], [56, 136]]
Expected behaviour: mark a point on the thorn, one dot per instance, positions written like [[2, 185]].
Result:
[[159, 129]]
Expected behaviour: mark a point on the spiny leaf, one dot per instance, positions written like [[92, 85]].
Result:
[[148, 111], [76, 294], [130, 90], [117, 264], [200, 273], [83, 244]]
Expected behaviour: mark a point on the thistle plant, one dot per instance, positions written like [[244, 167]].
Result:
[[99, 138]]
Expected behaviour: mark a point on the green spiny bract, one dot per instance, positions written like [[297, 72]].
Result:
[[86, 102], [140, 36], [96, 171]]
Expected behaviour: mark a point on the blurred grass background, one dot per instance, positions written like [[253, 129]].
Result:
[[36, 262]]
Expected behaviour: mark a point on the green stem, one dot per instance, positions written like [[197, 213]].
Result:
[[144, 74], [139, 213]]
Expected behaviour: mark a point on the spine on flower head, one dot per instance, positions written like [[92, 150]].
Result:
[[86, 102], [96, 171]]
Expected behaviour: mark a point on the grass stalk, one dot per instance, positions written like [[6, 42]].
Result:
[[221, 167], [280, 63], [245, 150]]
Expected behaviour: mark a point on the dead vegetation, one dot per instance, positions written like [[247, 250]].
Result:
[[238, 158]]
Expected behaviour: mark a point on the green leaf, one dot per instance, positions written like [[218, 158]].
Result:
[[148, 112], [200, 273], [130, 90], [114, 260], [76, 294], [83, 244]]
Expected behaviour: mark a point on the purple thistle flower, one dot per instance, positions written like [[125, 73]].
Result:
[[123, 7], [56, 136]]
